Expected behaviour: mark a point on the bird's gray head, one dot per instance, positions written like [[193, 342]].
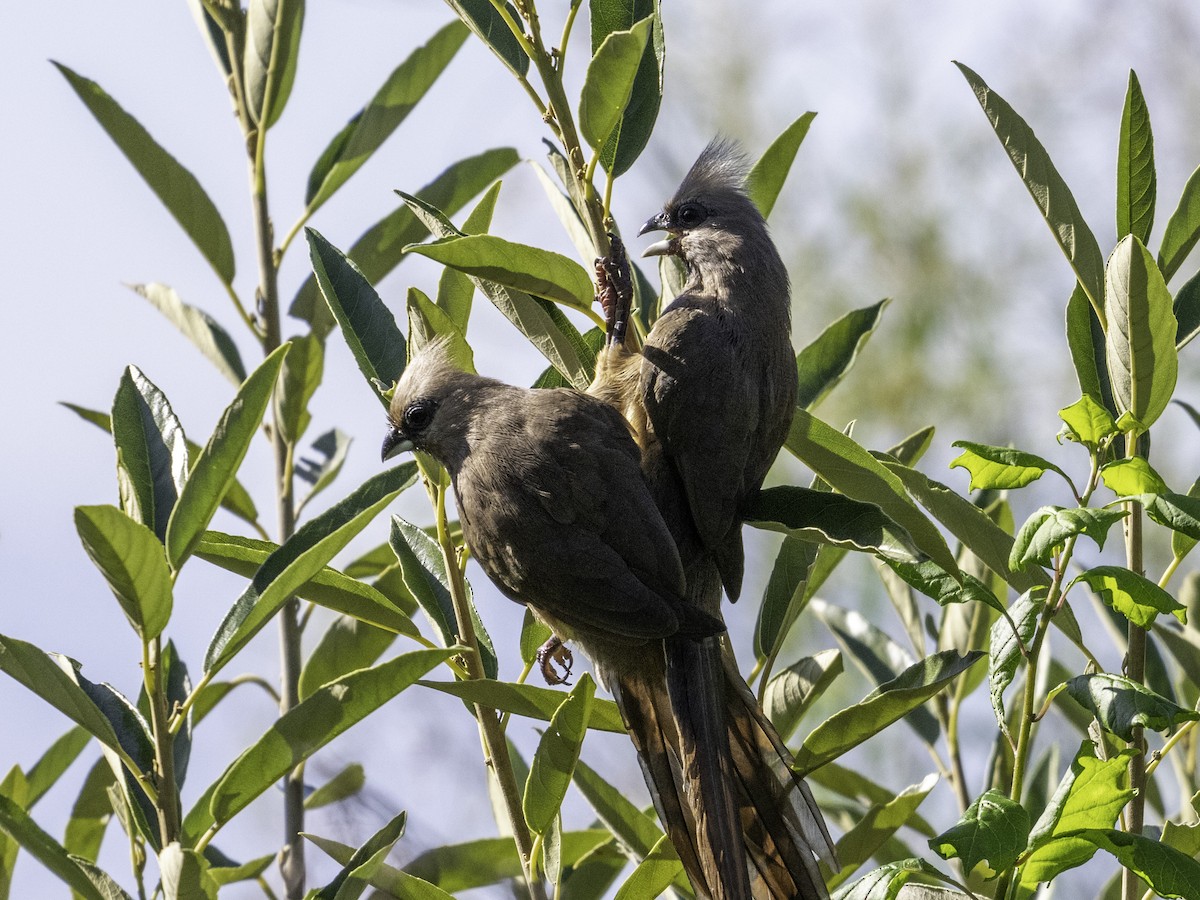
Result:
[[426, 410], [711, 216]]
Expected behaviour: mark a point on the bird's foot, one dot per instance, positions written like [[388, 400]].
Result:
[[551, 652], [614, 290]]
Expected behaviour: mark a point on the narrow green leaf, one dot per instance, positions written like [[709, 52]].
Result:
[[486, 21], [272, 47], [208, 336], [1187, 311], [381, 842], [823, 363], [456, 290], [1183, 229], [152, 456], [556, 755], [1179, 512], [211, 29], [346, 645], [994, 830], [630, 136], [1000, 468], [346, 783], [932, 581], [1085, 339], [90, 813], [608, 84], [1008, 648], [428, 322], [44, 773], [1168, 872], [527, 700], [312, 724], [216, 467], [297, 561], [853, 785], [1088, 422], [1140, 341], [1047, 188], [791, 693], [1121, 704], [132, 561], [1136, 179], [46, 850], [184, 874], [654, 874], [174, 185], [1181, 543], [299, 380], [784, 597], [1044, 532], [872, 831], [767, 176]]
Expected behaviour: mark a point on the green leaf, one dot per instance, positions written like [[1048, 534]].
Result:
[[854, 472], [347, 644], [1122, 705], [932, 581], [216, 467], [1183, 229], [329, 588], [1187, 311], [1088, 422], [791, 693], [1134, 596], [18, 824], [272, 47], [1168, 872], [300, 558], [1140, 341], [885, 882], [1179, 512], [1044, 532], [208, 336], [482, 17], [527, 700], [345, 783], [368, 326], [90, 813], [174, 185], [1008, 648], [994, 830], [152, 457], [766, 178], [1136, 179], [823, 363], [332, 447], [853, 785], [375, 848], [654, 874], [184, 874], [872, 831], [456, 291], [132, 561], [312, 724], [44, 773], [1000, 468], [530, 269], [608, 84], [381, 248], [375, 122], [428, 322], [880, 708], [556, 755], [375, 872], [300, 378], [214, 36], [1085, 339], [1047, 188], [784, 597], [632, 132]]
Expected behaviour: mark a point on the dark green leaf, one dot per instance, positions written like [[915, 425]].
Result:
[[767, 176], [132, 561], [527, 700], [346, 783], [1168, 872], [272, 46], [556, 755], [1122, 705], [654, 874], [1134, 596], [1085, 339], [1187, 311], [633, 131], [482, 17], [885, 882], [332, 446], [791, 692], [876, 827], [784, 597], [175, 186], [300, 378], [932, 581], [1136, 179], [17, 823], [608, 84], [456, 290], [1000, 468], [1008, 647], [824, 362], [994, 830], [347, 644], [382, 840], [1183, 229], [1044, 532], [208, 336]]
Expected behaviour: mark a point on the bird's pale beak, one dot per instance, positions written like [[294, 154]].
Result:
[[660, 248], [395, 443]]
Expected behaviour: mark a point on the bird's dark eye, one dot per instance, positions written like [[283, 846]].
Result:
[[418, 415], [689, 215]]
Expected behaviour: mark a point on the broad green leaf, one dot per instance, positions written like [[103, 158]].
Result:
[[766, 178], [175, 186], [18, 824], [272, 47], [556, 755], [854, 472], [299, 380], [368, 326], [329, 588], [628, 139], [381, 248], [346, 645], [654, 874], [381, 841], [90, 813], [184, 874], [346, 783], [332, 447], [132, 561], [427, 322], [300, 558], [790, 693], [831, 518], [1047, 188], [608, 84], [876, 827], [910, 450], [784, 597], [1000, 468], [152, 457], [1183, 229], [932, 581], [994, 830], [1122, 705], [1140, 341], [489, 25], [1008, 648], [208, 336], [1168, 872], [1088, 421], [312, 724], [216, 467], [880, 708], [1179, 512], [1044, 532], [1136, 179], [1187, 311], [375, 122], [527, 700], [824, 362], [1085, 340], [1134, 596], [535, 271]]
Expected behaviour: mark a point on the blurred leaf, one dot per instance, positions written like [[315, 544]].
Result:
[[17, 823], [527, 700], [766, 179], [90, 813], [1000, 468], [359, 866], [1183, 229], [299, 380], [297, 561], [880, 708], [1008, 648], [790, 694], [346, 645], [482, 17], [247, 871], [152, 458], [375, 122], [216, 467], [307, 727], [346, 783], [44, 773], [272, 47], [1168, 872], [1047, 188], [876, 826], [608, 84], [208, 336], [184, 874], [1088, 421], [654, 874], [132, 561], [368, 326], [1134, 596], [994, 830], [556, 755], [1140, 340], [1187, 311], [1136, 179], [1044, 532], [174, 185], [824, 362], [333, 445], [1121, 704], [632, 132], [784, 597]]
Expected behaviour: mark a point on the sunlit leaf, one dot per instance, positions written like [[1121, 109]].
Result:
[[489, 25], [1183, 229], [1134, 596], [632, 132], [1000, 468], [346, 783], [608, 84], [527, 700], [766, 177], [1136, 178], [556, 755], [1044, 532], [272, 47], [792, 691], [18, 824], [825, 361], [208, 336], [133, 563], [1122, 705], [994, 829]]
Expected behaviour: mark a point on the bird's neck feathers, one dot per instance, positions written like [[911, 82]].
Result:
[[736, 265]]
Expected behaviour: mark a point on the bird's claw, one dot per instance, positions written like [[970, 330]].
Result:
[[614, 290], [551, 652]]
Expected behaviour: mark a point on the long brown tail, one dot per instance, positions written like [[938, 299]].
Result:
[[743, 825]]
